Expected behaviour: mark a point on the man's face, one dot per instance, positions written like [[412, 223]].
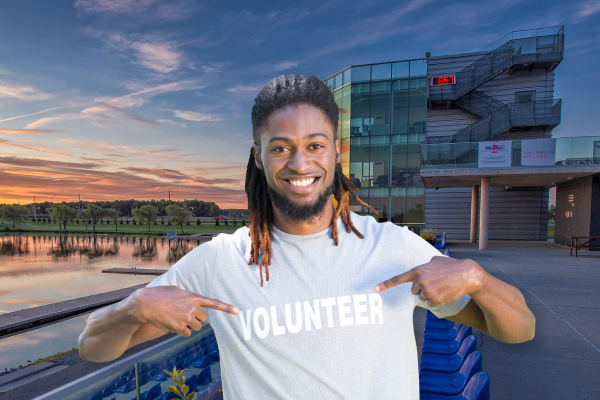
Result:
[[298, 153]]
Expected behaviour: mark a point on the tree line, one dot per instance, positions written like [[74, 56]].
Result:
[[179, 213]]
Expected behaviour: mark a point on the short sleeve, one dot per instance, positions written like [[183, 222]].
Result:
[[421, 252], [194, 272]]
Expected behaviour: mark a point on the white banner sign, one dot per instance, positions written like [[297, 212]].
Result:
[[494, 154], [538, 152]]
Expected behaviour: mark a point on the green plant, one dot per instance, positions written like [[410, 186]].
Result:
[[181, 389], [429, 235]]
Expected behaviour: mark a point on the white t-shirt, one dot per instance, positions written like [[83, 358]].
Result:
[[317, 329]]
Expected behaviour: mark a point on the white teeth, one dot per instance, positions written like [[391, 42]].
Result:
[[303, 182]]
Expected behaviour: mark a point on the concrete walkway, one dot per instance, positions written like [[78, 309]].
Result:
[[563, 360], [30, 318]]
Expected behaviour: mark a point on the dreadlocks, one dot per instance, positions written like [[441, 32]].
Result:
[[281, 92]]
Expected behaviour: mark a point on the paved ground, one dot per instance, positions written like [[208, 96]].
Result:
[[563, 360]]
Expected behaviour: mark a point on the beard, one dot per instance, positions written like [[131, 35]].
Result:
[[293, 212]]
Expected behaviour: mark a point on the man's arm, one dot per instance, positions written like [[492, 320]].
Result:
[[146, 314], [496, 308]]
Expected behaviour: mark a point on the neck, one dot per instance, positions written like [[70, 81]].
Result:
[[319, 224]]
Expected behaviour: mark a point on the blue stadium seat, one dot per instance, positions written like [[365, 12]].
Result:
[[441, 334], [478, 388], [450, 384], [431, 315], [440, 324], [450, 363], [203, 362], [204, 377], [126, 388], [154, 392], [192, 382], [446, 347], [162, 376]]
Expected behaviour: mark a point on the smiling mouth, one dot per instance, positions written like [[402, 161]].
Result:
[[302, 182]]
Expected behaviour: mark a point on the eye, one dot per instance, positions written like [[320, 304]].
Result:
[[316, 146], [280, 149]]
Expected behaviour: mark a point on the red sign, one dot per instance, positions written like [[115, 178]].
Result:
[[442, 80]]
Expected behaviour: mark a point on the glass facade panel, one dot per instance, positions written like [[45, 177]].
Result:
[[382, 124], [380, 107], [381, 71], [329, 83], [337, 96], [347, 76], [400, 69], [360, 110], [418, 68], [361, 74], [337, 81], [418, 106]]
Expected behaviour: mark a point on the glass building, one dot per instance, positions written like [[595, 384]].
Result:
[[383, 109]]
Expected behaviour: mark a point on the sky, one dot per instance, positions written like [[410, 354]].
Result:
[[120, 99]]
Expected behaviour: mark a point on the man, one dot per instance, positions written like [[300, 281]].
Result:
[[325, 305]]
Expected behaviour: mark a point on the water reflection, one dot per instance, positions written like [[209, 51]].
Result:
[[60, 247], [18, 246], [145, 249], [178, 249], [90, 247]]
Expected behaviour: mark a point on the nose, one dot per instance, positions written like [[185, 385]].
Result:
[[300, 162]]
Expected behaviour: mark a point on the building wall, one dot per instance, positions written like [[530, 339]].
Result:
[[579, 207], [518, 213]]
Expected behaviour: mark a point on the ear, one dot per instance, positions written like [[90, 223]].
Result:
[[257, 160], [338, 149]]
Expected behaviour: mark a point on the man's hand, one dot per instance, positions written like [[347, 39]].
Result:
[[496, 308], [171, 309], [439, 281]]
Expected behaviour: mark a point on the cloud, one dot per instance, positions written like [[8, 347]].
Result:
[[143, 92], [97, 110], [26, 93], [22, 176], [29, 131], [196, 116], [588, 8], [151, 51], [255, 89], [50, 120], [283, 65], [128, 7], [35, 113], [160, 57]]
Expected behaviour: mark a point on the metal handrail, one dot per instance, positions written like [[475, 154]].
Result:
[[118, 366]]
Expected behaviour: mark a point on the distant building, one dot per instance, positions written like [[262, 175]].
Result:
[[411, 131]]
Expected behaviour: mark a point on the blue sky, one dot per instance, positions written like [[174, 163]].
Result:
[[132, 98]]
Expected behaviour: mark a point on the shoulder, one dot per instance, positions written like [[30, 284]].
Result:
[[368, 225]]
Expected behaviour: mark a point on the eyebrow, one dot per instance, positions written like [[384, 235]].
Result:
[[287, 140]]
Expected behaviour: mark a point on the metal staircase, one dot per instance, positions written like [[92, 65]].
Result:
[[523, 50]]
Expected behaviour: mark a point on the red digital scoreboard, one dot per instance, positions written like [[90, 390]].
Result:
[[442, 80]]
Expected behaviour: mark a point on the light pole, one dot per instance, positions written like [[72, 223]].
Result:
[[17, 201]]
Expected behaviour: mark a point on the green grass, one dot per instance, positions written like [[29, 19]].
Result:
[[550, 231], [127, 229]]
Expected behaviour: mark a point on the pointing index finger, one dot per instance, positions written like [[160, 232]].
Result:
[[405, 277], [217, 305]]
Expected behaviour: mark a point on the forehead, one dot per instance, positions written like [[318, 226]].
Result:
[[296, 122]]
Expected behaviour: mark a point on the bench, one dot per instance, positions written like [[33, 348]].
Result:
[[585, 245]]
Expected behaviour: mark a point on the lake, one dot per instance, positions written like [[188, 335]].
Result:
[[38, 269]]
